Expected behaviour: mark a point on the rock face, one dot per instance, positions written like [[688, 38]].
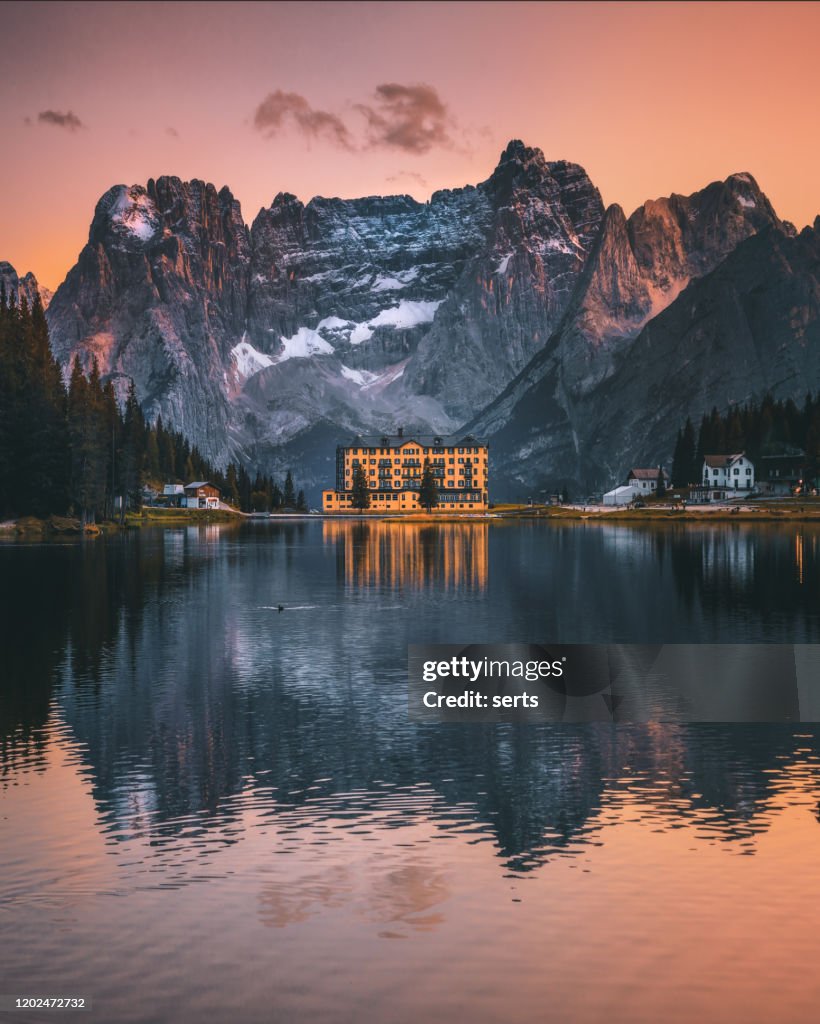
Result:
[[159, 294], [22, 287], [546, 425], [583, 335], [352, 314]]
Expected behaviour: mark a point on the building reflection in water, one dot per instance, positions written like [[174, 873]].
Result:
[[449, 556]]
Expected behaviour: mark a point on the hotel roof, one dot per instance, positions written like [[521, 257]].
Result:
[[425, 440]]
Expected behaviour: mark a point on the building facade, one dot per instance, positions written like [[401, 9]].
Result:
[[201, 494], [727, 475], [645, 481], [393, 466], [785, 474]]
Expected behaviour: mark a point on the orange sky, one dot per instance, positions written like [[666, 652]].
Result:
[[650, 98]]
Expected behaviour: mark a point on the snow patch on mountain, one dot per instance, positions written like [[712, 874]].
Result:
[[134, 211], [302, 345], [360, 333], [248, 359], [360, 377], [388, 283], [406, 314], [333, 323]]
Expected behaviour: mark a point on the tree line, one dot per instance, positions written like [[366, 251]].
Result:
[[769, 427], [75, 449]]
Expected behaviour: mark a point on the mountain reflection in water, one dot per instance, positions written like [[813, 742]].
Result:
[[163, 728]]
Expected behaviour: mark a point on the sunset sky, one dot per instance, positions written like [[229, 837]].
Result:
[[355, 99]]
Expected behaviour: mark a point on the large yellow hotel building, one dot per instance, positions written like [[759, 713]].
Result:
[[394, 465]]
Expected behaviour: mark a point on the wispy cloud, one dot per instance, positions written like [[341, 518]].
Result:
[[411, 118], [58, 119], [279, 109], [414, 176]]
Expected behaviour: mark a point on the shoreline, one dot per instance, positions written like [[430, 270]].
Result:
[[53, 527]]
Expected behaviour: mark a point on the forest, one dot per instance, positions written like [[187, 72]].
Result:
[[74, 448], [769, 427]]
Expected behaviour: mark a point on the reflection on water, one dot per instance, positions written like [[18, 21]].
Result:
[[447, 556], [199, 789]]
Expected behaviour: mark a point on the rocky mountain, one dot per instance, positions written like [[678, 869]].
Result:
[[546, 425], [332, 316], [25, 286], [159, 294], [518, 308]]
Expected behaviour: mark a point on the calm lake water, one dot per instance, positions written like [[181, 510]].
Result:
[[213, 811]]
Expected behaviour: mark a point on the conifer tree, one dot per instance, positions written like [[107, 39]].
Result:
[[289, 495], [428, 492], [360, 492]]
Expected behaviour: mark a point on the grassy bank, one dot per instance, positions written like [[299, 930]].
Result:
[[182, 516], [786, 510], [659, 512], [34, 528], [31, 528]]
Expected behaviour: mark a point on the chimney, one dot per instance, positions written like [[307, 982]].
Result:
[[401, 431]]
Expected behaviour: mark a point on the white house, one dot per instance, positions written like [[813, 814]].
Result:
[[645, 481], [620, 496], [735, 473]]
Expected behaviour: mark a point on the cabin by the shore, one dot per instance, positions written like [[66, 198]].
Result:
[[201, 494], [640, 483], [645, 481], [198, 494]]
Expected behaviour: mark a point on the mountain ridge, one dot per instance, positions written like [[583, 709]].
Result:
[[504, 307]]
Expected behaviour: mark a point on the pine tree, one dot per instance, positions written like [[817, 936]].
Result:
[[132, 454], [232, 485], [428, 492], [360, 492], [289, 496], [660, 488], [244, 487], [301, 503]]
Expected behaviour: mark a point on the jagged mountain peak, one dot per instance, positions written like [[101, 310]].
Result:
[[23, 287], [354, 314], [517, 152], [137, 217], [285, 199]]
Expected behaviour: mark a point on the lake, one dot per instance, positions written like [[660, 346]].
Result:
[[211, 810]]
